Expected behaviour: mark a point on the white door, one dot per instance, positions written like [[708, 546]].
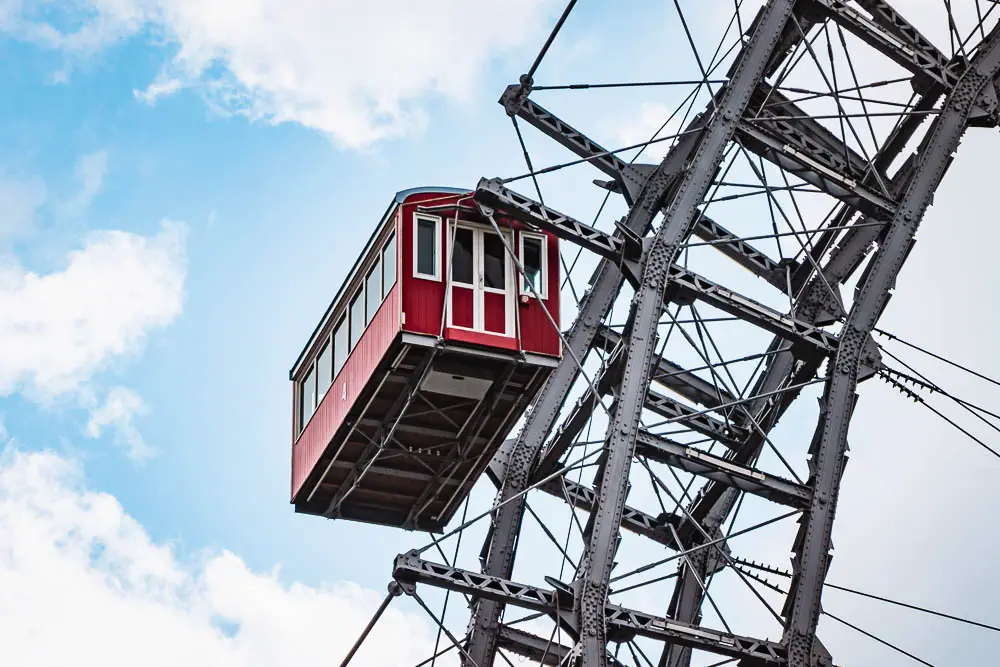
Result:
[[480, 295]]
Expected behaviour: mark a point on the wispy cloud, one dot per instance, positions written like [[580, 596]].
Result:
[[90, 172], [300, 62], [118, 412], [20, 201]]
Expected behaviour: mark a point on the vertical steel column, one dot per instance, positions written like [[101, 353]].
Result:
[[691, 188], [605, 285], [829, 447], [502, 541]]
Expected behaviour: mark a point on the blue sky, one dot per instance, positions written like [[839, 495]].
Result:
[[274, 212], [211, 170]]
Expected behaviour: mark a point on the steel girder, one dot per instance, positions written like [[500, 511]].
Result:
[[621, 622], [829, 447], [687, 194], [801, 147]]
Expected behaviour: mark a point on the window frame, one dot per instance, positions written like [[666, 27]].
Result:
[[342, 323], [324, 347], [393, 262], [417, 217], [303, 419], [543, 293], [376, 271], [359, 296]]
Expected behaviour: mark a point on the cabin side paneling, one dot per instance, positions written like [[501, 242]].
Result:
[[423, 298], [346, 387], [537, 333]]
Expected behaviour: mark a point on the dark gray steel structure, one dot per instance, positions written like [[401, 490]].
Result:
[[880, 195]]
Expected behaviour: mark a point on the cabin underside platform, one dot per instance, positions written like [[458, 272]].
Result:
[[421, 433]]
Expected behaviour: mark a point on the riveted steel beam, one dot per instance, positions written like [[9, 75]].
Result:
[[687, 193], [722, 470], [829, 447], [622, 623], [886, 30]]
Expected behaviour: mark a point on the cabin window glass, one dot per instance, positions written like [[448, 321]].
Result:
[[533, 259], [324, 371], [494, 264], [341, 346], [373, 292], [425, 248], [388, 266], [308, 396], [357, 317], [461, 256]]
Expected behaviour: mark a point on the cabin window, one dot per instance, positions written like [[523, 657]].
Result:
[[461, 256], [373, 292], [534, 260], [494, 266], [426, 241], [341, 346], [324, 371], [357, 317], [388, 266], [308, 396]]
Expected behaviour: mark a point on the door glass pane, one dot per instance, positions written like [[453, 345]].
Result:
[[461, 257], [388, 266], [324, 372], [357, 318], [308, 396], [340, 346], [426, 247], [532, 262], [493, 261], [373, 292]]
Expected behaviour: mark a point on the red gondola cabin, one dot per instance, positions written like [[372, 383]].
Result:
[[428, 355]]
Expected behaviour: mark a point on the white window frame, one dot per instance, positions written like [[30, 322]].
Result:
[[436, 276], [478, 286], [543, 293]]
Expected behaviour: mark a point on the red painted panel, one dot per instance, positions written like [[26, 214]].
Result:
[[495, 312], [479, 338], [423, 300], [461, 306], [352, 378], [537, 333]]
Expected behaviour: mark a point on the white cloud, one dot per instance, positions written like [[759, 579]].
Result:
[[358, 72], [20, 200], [61, 327], [120, 408], [651, 120], [84, 583]]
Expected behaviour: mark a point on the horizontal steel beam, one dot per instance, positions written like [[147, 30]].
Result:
[[674, 377], [807, 337], [729, 434], [719, 469], [623, 624], [582, 497], [744, 254], [492, 193], [885, 30], [633, 520], [630, 177], [766, 136], [545, 651]]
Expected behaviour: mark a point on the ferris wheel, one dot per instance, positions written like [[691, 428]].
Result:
[[659, 394]]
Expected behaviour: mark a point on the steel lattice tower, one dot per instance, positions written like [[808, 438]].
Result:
[[788, 160]]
